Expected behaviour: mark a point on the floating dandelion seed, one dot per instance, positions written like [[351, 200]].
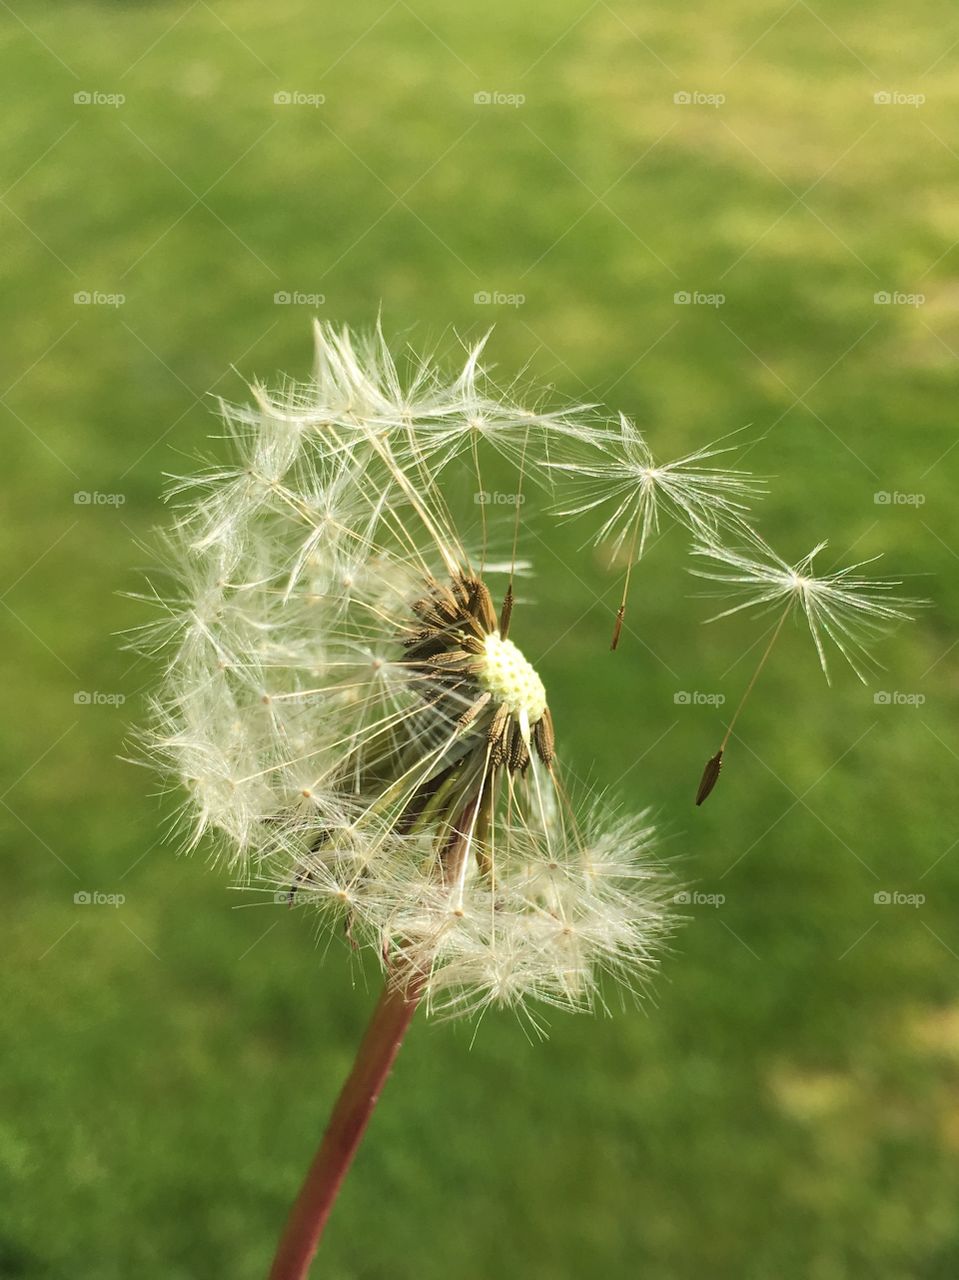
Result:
[[842, 607], [622, 482]]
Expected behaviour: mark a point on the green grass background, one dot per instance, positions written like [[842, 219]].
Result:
[[788, 1104]]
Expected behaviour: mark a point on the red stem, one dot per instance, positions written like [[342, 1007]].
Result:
[[351, 1114]]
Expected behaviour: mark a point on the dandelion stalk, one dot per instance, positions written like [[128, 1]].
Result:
[[357, 1098], [350, 1116]]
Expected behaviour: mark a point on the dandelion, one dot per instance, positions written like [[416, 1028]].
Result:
[[355, 726], [633, 492], [843, 608], [348, 712]]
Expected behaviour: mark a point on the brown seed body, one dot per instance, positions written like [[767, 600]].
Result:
[[710, 776]]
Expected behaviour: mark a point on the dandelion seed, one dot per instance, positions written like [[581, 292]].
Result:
[[633, 493], [843, 607]]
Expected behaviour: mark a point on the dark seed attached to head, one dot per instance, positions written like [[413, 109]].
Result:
[[544, 739], [507, 612]]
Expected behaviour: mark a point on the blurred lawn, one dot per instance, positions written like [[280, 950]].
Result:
[[789, 1104]]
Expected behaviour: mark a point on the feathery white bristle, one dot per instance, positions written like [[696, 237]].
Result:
[[844, 607]]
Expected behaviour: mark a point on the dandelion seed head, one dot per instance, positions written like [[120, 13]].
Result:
[[347, 703]]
